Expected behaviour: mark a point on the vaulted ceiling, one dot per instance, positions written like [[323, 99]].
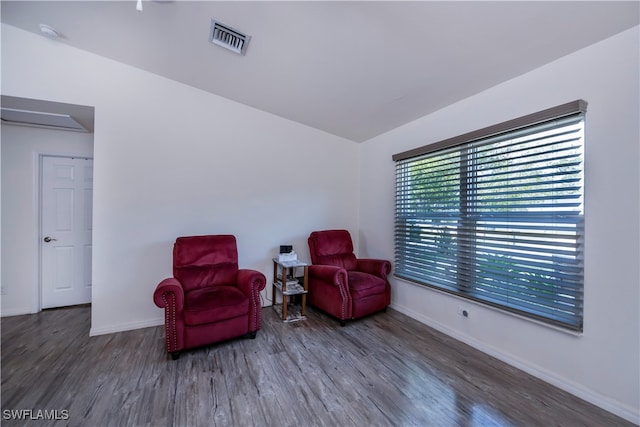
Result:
[[352, 68]]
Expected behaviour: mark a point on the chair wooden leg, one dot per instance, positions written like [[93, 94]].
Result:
[[343, 322], [175, 355], [252, 335]]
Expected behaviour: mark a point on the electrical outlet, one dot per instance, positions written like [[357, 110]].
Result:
[[463, 311], [3, 291]]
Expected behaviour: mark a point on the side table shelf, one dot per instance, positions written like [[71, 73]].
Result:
[[292, 288]]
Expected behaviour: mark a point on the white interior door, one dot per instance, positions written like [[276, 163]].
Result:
[[66, 215]]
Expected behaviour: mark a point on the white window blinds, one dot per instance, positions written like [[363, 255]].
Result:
[[499, 219]]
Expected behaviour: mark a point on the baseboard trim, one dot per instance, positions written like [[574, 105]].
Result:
[[15, 312], [578, 390], [112, 329]]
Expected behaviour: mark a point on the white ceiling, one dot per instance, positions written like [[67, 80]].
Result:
[[352, 68]]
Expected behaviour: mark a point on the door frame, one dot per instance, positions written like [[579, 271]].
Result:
[[38, 160]]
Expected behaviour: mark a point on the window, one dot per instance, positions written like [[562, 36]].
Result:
[[497, 216]]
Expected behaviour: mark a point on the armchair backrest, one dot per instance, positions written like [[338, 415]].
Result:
[[332, 247], [201, 261]]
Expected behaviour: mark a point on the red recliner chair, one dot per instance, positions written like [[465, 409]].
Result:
[[342, 285], [208, 299]]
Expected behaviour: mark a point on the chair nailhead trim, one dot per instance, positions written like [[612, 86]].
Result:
[[254, 304], [344, 302], [170, 323]]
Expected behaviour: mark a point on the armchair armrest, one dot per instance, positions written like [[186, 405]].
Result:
[[169, 295], [169, 286], [377, 267], [331, 274], [251, 282], [329, 290]]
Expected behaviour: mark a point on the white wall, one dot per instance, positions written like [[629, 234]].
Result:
[[602, 365], [171, 160], [20, 148]]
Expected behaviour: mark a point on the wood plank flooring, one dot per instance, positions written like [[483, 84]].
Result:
[[384, 370]]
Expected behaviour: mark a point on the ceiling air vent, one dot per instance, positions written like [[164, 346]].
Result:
[[225, 36]]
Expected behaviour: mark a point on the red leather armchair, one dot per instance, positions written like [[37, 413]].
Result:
[[342, 285], [208, 299]]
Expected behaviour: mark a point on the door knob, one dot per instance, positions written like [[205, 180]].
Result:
[[49, 239]]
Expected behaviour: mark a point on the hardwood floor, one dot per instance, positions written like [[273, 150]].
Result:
[[384, 370]]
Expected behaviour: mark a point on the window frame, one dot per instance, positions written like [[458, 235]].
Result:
[[453, 268]]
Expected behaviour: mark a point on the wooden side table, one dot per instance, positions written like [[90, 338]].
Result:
[[289, 287]]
